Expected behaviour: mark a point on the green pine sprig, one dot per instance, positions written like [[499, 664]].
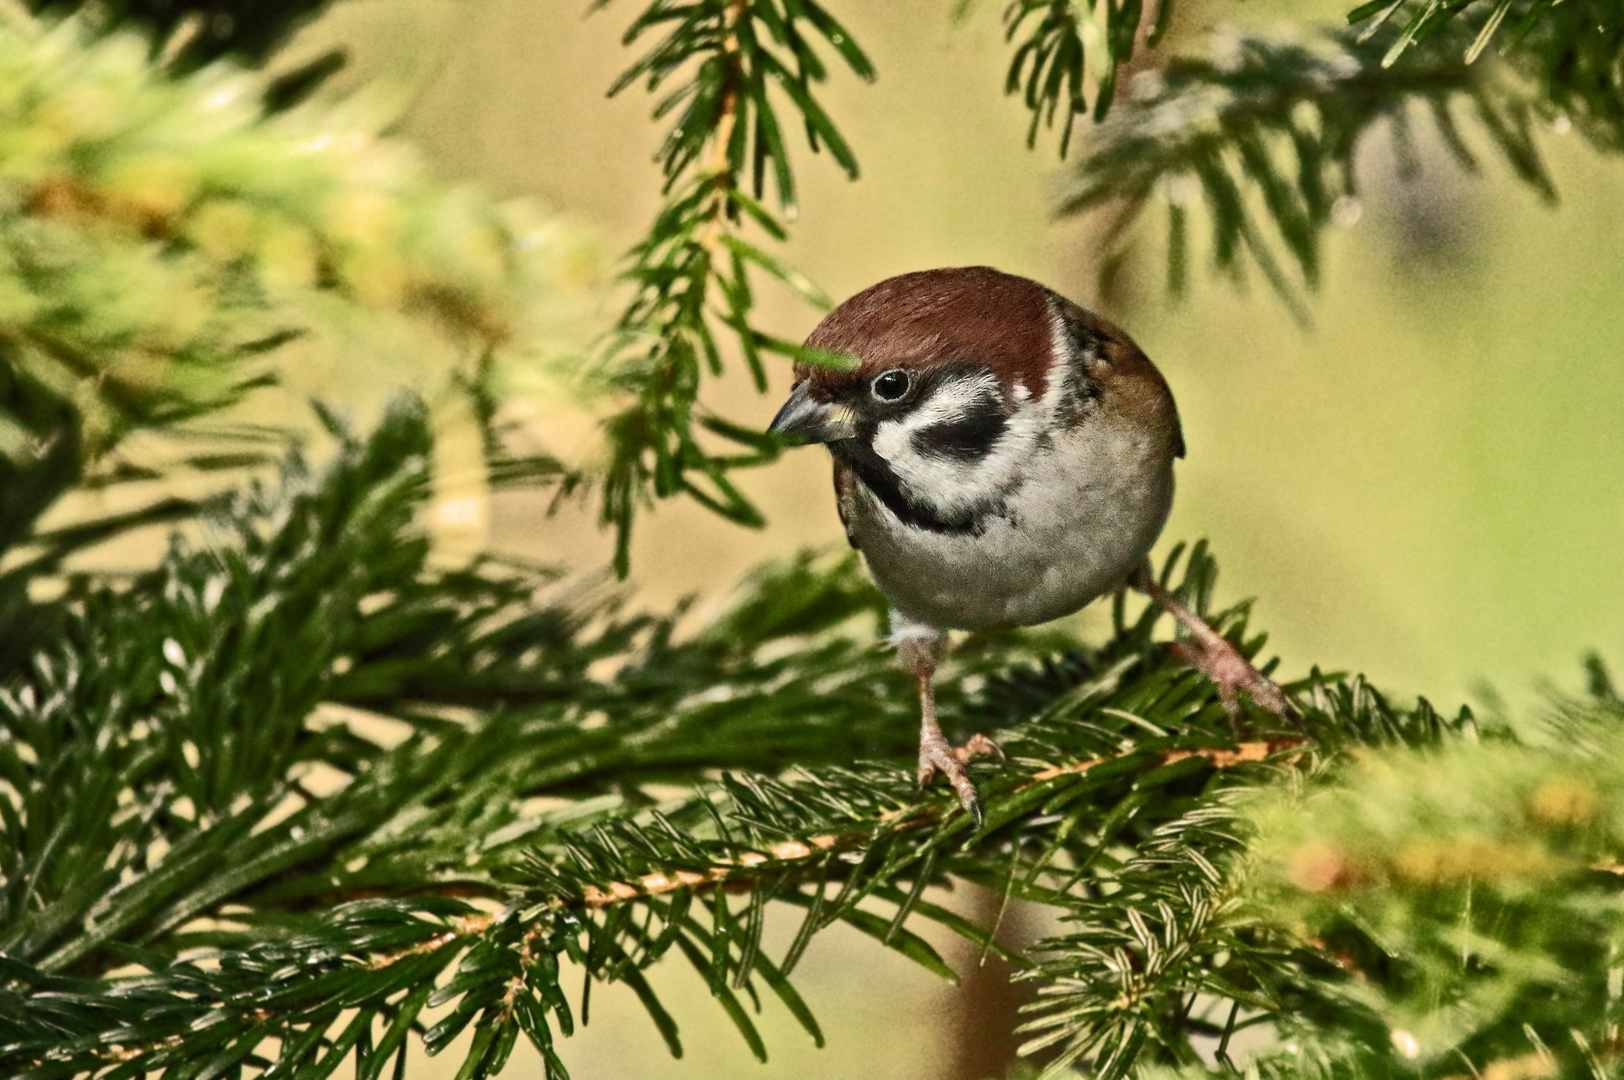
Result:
[[166, 248], [1051, 67], [726, 69], [1263, 135]]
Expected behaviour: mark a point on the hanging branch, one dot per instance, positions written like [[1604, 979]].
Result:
[[692, 275], [1265, 134], [1572, 53], [1051, 64], [1265, 131]]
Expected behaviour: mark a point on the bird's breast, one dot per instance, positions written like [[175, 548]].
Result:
[[1088, 508]]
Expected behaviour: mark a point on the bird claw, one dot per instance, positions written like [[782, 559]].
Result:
[[1210, 653], [1231, 672], [937, 755], [978, 745]]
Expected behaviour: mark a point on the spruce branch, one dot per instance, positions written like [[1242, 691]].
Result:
[[1051, 64], [1265, 134], [1122, 992], [165, 247], [196, 33], [424, 882], [691, 277], [219, 231], [1456, 908], [1570, 53], [1512, 26]]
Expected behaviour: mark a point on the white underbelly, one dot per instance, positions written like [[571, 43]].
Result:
[[1086, 516]]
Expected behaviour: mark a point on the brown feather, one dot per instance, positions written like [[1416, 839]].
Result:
[[1130, 383], [931, 318]]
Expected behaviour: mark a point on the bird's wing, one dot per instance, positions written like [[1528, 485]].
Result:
[[846, 497]]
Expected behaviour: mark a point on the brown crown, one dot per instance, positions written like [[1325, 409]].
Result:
[[930, 318]]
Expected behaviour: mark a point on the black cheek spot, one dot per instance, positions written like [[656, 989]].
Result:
[[968, 438], [875, 473]]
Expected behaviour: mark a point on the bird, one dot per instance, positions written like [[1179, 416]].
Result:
[[1002, 457]]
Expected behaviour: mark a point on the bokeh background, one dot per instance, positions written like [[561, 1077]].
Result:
[[1424, 486]]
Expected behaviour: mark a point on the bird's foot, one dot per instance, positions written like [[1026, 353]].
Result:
[[1210, 653], [1232, 673], [937, 755]]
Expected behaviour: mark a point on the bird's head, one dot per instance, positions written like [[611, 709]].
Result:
[[960, 376], [938, 341]]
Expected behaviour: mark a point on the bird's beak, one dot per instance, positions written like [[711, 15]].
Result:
[[813, 421]]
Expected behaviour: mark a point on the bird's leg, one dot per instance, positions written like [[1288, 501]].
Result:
[[919, 651], [1213, 656], [936, 754]]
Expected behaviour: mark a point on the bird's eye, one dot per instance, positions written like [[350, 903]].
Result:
[[891, 385]]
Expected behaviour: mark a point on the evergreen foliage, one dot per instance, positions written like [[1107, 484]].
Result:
[[300, 793], [221, 681], [1283, 119], [1459, 907], [1266, 128], [165, 247], [691, 277]]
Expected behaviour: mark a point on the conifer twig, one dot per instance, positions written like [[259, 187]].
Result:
[[691, 276]]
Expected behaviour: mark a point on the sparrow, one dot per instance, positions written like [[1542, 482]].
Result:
[[1002, 456]]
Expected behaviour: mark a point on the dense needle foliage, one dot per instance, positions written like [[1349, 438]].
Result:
[[302, 793]]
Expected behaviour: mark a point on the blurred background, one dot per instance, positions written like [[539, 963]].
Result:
[[1424, 486]]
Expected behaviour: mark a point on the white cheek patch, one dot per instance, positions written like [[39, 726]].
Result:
[[954, 486], [948, 403]]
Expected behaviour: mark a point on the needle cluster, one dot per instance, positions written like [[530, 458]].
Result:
[[725, 70], [1263, 133]]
